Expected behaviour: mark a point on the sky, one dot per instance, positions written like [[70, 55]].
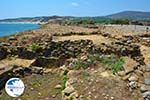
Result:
[[32, 8]]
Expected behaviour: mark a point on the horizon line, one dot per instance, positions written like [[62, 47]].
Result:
[[72, 15]]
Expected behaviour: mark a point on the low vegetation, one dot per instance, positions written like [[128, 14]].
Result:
[[111, 62], [34, 47], [118, 65], [120, 21]]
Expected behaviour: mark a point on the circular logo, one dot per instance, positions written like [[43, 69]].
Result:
[[14, 87]]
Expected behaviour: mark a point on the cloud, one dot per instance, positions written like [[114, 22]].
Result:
[[74, 4]]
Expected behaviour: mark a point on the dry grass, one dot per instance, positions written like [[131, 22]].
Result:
[[17, 61], [97, 39]]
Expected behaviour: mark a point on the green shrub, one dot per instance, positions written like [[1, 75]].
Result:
[[70, 98], [65, 79], [118, 65], [79, 64], [34, 47], [121, 21], [112, 62]]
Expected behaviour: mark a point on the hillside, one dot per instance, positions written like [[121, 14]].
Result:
[[35, 19], [134, 15]]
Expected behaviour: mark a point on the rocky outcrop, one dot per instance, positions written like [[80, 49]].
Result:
[[3, 52]]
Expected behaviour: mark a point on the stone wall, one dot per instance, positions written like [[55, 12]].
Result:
[[3, 52]]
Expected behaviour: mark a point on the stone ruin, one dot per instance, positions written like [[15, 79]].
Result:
[[54, 54]]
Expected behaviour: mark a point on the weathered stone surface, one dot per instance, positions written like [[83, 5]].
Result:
[[47, 70], [147, 81], [133, 77], [12, 38], [4, 76], [146, 95], [21, 71], [24, 53], [140, 75], [36, 70], [126, 77], [4, 68], [144, 88], [4, 44], [147, 78], [133, 85], [67, 49], [105, 74], [58, 86], [129, 64], [75, 95], [70, 82], [68, 90], [121, 73], [3, 52], [147, 68], [48, 62]]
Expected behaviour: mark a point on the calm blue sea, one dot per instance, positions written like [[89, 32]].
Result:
[[7, 29]]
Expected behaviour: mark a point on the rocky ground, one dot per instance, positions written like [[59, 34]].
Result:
[[78, 63]]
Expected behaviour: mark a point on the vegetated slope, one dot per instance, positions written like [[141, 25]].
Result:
[[131, 15], [35, 19], [134, 15]]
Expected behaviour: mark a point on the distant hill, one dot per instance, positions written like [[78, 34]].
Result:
[[36, 19], [133, 15]]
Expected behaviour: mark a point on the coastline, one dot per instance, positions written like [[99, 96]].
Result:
[[19, 32], [20, 22], [23, 22]]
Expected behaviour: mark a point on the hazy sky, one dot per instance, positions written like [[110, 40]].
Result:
[[27, 8]]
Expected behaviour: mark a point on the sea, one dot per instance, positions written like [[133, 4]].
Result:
[[7, 29]]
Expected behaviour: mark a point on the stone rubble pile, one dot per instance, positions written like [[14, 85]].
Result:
[[137, 76], [143, 39]]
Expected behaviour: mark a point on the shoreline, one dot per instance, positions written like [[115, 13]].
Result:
[[16, 33], [20, 23]]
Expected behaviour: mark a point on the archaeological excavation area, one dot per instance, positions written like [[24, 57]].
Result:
[[58, 62]]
